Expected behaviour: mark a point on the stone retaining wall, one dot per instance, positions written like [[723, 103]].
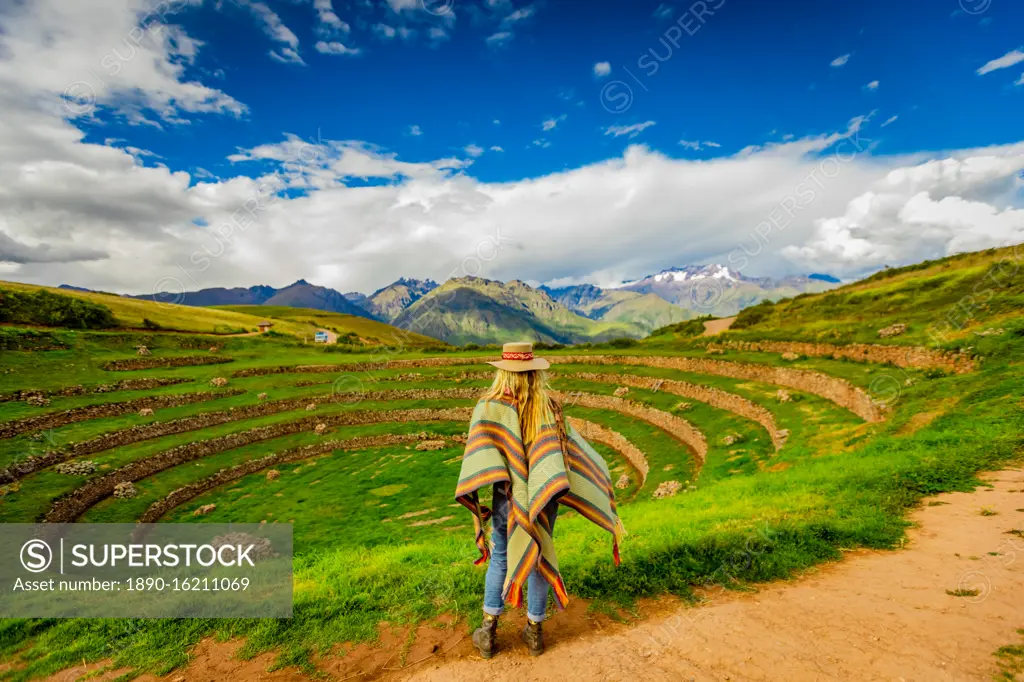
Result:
[[69, 507], [182, 495], [677, 427], [67, 391], [715, 397], [596, 433], [913, 357], [52, 420], [143, 432], [838, 391], [133, 364]]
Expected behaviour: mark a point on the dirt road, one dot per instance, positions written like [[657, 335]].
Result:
[[712, 327]]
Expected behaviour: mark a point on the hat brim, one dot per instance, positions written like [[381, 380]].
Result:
[[521, 365]]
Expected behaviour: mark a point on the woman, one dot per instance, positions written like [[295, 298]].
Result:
[[520, 443]]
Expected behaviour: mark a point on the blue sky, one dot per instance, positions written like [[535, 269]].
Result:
[[590, 141], [754, 72]]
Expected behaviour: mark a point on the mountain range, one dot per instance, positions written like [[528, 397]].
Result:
[[477, 310]]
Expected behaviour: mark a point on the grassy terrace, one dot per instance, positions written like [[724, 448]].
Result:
[[374, 540]]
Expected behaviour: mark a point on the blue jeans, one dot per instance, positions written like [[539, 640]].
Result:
[[537, 587]]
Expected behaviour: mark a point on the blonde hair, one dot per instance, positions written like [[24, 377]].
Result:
[[529, 391]]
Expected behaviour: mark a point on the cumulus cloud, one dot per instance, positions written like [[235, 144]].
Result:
[[1011, 58], [473, 150], [552, 123], [873, 85], [499, 39], [698, 145], [840, 60], [602, 69], [889, 121], [932, 209]]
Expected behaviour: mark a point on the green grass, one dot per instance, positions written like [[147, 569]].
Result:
[[755, 514]]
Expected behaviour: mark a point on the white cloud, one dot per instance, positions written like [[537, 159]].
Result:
[[499, 39], [840, 60], [286, 55], [630, 130], [274, 27], [497, 122], [1020, 81], [928, 210], [384, 30], [1011, 58], [330, 23], [496, 148], [873, 85], [415, 131], [473, 150], [542, 143], [49, 48], [697, 145], [518, 15], [334, 47], [552, 123], [889, 121], [602, 69]]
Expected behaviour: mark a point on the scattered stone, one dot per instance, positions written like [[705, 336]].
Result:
[[789, 356], [892, 330], [623, 482], [667, 489], [732, 439], [37, 401], [431, 522], [669, 467], [218, 382], [125, 490], [783, 396], [273, 475], [214, 349], [782, 434], [83, 468], [204, 510], [142, 350], [261, 396], [310, 407], [683, 406], [621, 391], [714, 351], [991, 332], [431, 445], [146, 412], [261, 547], [320, 429]]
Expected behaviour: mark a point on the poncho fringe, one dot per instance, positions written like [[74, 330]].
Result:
[[579, 479]]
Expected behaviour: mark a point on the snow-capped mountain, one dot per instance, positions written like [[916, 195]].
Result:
[[719, 290]]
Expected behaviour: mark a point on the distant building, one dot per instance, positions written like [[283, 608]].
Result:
[[265, 326], [324, 336]]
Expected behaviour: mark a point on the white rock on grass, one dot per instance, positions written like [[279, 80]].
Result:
[[204, 510], [261, 396], [218, 382], [146, 412], [320, 429], [431, 445], [783, 396], [273, 475], [623, 482], [667, 489], [310, 407], [125, 490], [83, 468], [621, 391]]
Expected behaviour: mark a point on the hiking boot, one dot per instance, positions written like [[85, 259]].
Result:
[[485, 637], [533, 635]]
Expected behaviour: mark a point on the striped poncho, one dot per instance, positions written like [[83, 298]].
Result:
[[495, 454]]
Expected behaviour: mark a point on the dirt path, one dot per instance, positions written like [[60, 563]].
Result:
[[712, 327], [873, 616]]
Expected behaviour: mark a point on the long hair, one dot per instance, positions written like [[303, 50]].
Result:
[[529, 390]]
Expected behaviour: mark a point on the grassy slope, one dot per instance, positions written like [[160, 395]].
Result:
[[943, 302], [844, 484], [310, 320], [644, 311]]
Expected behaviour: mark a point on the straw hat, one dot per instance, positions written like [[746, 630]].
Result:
[[518, 357]]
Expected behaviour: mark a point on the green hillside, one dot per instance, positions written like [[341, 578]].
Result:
[[643, 311]]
